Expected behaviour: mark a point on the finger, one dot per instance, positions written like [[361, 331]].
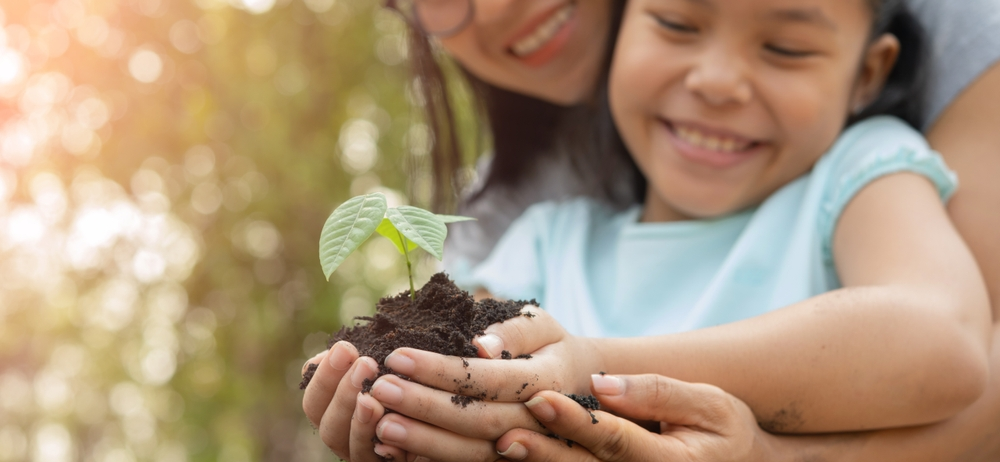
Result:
[[314, 361], [437, 444], [387, 452], [485, 379], [335, 425], [519, 336], [458, 414], [520, 444], [658, 398], [367, 413], [326, 379], [607, 437]]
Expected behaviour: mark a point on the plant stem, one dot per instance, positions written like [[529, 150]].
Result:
[[409, 267]]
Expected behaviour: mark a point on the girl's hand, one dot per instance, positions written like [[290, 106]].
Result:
[[697, 422], [344, 419], [558, 361], [431, 420]]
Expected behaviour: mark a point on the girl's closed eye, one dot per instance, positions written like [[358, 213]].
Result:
[[675, 25], [788, 51]]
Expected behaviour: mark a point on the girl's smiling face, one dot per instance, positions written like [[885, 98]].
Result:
[[549, 49], [722, 102]]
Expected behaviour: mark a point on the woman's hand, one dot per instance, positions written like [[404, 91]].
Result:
[[344, 418], [696, 422]]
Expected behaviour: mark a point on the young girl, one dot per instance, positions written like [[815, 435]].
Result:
[[829, 291]]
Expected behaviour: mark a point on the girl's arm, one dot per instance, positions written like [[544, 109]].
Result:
[[903, 343]]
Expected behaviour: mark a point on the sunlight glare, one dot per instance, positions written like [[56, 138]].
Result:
[[257, 6], [145, 66], [25, 226], [53, 444], [11, 66]]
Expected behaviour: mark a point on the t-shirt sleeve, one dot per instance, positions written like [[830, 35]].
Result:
[[867, 151], [514, 269], [964, 41]]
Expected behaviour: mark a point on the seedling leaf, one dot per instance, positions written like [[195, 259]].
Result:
[[389, 231], [420, 227], [348, 227], [446, 219]]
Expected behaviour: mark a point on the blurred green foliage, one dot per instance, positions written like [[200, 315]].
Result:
[[165, 171]]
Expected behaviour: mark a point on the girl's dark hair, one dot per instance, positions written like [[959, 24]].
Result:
[[524, 129], [903, 93]]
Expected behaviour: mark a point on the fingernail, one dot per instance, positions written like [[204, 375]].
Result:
[[542, 409], [363, 412], [387, 392], [400, 363], [607, 385], [516, 451], [362, 372], [391, 432], [492, 344], [383, 451], [340, 358]]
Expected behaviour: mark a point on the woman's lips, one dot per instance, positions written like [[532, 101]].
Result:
[[713, 148], [544, 39]]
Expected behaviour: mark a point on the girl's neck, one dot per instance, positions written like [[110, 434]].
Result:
[[656, 210]]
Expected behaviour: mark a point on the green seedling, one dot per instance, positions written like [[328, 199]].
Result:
[[407, 227]]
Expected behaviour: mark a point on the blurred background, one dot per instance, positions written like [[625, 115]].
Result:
[[166, 167]]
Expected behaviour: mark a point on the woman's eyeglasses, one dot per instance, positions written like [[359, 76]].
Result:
[[438, 18]]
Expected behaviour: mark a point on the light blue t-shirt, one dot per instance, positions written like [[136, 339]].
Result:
[[602, 273]]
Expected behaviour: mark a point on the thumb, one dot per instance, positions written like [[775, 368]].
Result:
[[606, 437], [672, 402]]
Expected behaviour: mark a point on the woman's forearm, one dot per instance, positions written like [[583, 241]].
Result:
[[852, 359]]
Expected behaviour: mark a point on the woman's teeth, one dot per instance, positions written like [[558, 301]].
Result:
[[711, 142], [543, 33]]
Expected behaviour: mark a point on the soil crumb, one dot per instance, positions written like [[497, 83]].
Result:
[[307, 377], [443, 319], [464, 401], [524, 356], [505, 355], [589, 402]]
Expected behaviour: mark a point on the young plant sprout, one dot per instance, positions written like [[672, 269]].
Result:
[[407, 227]]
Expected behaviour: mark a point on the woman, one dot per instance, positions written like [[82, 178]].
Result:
[[496, 45]]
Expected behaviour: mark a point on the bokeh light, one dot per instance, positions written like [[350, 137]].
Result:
[[165, 170]]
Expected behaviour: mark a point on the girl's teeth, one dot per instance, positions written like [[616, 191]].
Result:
[[712, 143], [543, 33]]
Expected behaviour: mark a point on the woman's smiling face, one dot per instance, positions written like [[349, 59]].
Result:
[[550, 49], [722, 102]]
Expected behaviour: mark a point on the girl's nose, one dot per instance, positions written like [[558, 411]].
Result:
[[719, 78]]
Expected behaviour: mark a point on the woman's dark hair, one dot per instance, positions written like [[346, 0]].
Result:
[[903, 93], [524, 129]]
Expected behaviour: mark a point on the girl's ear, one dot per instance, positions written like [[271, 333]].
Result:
[[879, 59]]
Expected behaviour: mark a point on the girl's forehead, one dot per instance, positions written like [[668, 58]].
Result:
[[819, 12]]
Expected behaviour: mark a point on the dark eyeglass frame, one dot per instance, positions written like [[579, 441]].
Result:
[[413, 18]]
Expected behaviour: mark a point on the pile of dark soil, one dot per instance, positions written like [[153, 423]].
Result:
[[442, 318]]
